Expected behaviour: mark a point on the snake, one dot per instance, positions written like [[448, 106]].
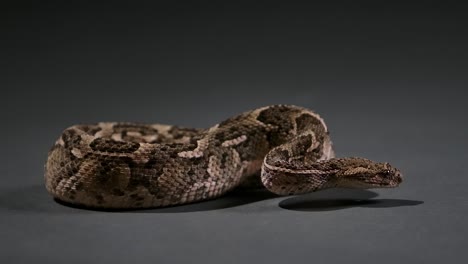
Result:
[[285, 149]]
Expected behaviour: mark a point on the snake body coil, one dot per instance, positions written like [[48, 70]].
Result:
[[125, 165]]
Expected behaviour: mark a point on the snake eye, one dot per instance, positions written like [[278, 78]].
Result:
[[386, 172]]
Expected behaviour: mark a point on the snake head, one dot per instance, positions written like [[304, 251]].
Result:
[[363, 173]]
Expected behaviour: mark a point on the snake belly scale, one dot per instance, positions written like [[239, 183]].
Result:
[[286, 149]]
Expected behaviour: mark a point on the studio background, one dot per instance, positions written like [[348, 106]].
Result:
[[389, 80]]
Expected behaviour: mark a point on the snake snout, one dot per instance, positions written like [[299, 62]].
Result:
[[395, 178], [398, 177], [390, 177]]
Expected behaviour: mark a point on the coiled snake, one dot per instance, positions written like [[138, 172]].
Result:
[[126, 165]]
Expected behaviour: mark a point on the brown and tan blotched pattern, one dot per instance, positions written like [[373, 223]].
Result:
[[125, 165]]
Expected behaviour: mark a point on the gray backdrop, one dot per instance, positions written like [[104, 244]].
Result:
[[389, 80]]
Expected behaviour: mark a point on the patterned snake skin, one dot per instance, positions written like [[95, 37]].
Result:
[[125, 165]]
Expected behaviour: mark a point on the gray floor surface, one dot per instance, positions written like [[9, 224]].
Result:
[[390, 89]]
